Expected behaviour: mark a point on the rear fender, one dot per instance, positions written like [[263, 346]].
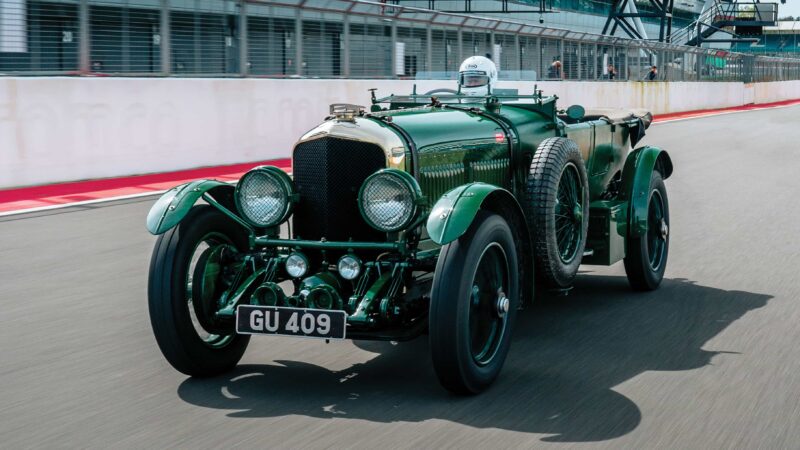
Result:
[[173, 206], [636, 176]]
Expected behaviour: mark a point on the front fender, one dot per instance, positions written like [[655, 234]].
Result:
[[454, 212], [173, 206], [636, 175]]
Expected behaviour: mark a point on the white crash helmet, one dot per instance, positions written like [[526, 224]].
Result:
[[476, 75]]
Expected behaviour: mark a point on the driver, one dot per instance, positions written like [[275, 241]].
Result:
[[477, 75]]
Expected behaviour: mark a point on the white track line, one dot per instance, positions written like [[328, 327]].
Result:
[[145, 194], [90, 202], [83, 202]]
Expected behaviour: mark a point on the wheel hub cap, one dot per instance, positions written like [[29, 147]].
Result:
[[664, 230], [577, 214], [503, 304]]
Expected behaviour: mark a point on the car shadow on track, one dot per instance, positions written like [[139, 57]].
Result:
[[567, 356]]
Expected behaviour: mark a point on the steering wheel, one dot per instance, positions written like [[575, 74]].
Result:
[[443, 91]]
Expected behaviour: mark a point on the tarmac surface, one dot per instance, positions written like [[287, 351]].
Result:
[[711, 360]]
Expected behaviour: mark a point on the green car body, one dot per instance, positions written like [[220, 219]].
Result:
[[460, 155]]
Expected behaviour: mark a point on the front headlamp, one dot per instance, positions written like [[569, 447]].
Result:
[[264, 196], [389, 200]]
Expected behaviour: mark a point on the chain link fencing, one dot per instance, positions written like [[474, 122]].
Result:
[[334, 39]]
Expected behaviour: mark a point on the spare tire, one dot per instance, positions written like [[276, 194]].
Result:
[[557, 207]]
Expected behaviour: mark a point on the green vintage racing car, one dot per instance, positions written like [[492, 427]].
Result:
[[440, 216]]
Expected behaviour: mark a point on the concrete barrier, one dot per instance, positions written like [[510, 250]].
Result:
[[776, 91], [62, 129]]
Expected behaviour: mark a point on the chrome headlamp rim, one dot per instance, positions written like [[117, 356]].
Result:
[[410, 183], [286, 184]]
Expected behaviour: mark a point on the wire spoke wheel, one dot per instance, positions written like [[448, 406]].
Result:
[[487, 318], [556, 203], [568, 213]]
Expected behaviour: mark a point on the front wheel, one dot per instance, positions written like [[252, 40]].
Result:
[[475, 297], [185, 258], [646, 258]]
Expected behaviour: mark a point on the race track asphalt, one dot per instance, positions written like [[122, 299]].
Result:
[[711, 360]]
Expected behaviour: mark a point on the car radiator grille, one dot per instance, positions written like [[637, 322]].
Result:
[[328, 172]]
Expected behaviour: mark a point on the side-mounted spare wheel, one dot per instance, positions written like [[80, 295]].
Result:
[[557, 207], [474, 303], [181, 313]]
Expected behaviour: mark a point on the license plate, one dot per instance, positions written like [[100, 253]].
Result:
[[284, 321]]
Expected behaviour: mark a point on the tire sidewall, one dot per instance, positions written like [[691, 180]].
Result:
[[654, 277], [640, 274], [169, 310], [540, 209], [450, 305]]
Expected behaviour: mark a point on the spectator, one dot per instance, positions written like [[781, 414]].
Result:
[[652, 74], [612, 72], [555, 69]]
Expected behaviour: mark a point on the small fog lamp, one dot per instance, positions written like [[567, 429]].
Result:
[[296, 265], [349, 267]]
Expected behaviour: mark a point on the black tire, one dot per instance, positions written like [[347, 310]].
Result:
[[556, 164], [646, 258], [168, 295], [464, 305]]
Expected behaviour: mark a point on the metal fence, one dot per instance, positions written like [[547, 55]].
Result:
[[332, 39]]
